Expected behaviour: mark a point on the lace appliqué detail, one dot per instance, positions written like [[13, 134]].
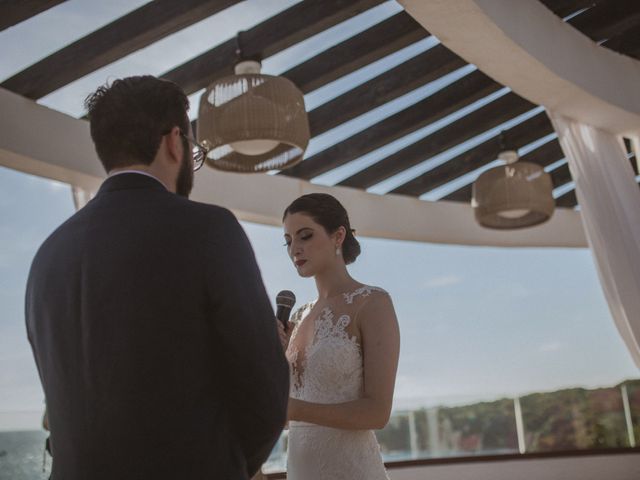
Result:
[[329, 370], [329, 367], [292, 351], [364, 291], [326, 327]]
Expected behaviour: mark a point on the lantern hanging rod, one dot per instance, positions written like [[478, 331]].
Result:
[[241, 50], [507, 152]]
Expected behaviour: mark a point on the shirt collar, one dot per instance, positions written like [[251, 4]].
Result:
[[140, 172]]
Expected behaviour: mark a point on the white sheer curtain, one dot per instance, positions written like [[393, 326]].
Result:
[[609, 199]]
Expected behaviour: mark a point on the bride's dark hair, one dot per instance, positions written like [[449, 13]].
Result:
[[328, 212]]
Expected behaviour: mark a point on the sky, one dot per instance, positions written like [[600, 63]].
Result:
[[476, 323]]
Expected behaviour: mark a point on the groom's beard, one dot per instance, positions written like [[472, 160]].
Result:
[[184, 182]]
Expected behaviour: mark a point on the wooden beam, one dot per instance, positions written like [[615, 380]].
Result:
[[567, 200], [463, 194], [627, 42], [136, 30], [415, 72], [560, 176], [258, 198], [607, 19], [475, 123], [435, 107], [516, 137], [388, 36], [16, 11], [295, 24], [556, 66], [366, 47], [544, 155], [563, 8]]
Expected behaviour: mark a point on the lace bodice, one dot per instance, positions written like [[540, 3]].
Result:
[[325, 351]]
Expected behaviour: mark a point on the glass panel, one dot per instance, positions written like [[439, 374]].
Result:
[[30, 209], [395, 438], [574, 419], [462, 312], [487, 428], [633, 393]]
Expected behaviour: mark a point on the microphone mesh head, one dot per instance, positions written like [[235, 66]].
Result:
[[286, 298]]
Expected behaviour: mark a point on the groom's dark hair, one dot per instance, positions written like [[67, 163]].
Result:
[[129, 117]]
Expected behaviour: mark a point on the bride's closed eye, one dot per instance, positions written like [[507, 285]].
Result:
[[287, 243]]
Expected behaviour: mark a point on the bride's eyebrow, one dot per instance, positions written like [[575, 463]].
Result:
[[299, 231]]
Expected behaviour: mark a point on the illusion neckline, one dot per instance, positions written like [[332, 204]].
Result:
[[342, 294]]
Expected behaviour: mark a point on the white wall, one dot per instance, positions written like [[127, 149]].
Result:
[[605, 467]]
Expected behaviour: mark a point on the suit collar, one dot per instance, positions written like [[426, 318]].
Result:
[[131, 181]]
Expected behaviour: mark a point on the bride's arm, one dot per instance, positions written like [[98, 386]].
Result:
[[381, 348]]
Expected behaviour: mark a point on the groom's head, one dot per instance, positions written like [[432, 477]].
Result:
[[142, 122]]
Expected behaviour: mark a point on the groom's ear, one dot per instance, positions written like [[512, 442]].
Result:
[[173, 144]]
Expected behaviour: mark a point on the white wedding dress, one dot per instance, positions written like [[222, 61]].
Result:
[[327, 367]]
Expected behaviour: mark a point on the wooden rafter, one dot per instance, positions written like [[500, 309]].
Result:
[[435, 107], [295, 24], [563, 8], [607, 19], [16, 11], [544, 155], [140, 28], [627, 42], [567, 200], [516, 137], [485, 118], [384, 38]]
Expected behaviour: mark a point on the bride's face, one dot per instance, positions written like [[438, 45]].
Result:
[[310, 247]]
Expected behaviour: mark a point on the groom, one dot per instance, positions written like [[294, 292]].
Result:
[[154, 338]]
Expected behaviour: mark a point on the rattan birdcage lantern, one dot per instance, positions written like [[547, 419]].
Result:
[[250, 122], [514, 195]]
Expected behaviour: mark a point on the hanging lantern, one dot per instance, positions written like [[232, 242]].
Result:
[[250, 122], [515, 195]]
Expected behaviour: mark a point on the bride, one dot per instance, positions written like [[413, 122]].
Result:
[[343, 349]]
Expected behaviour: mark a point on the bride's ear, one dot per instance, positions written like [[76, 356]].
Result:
[[339, 235]]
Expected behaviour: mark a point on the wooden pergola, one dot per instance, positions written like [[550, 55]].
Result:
[[613, 24]]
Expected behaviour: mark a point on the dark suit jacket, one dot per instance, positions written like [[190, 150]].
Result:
[[155, 341]]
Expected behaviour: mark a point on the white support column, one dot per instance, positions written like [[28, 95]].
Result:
[[522, 447], [627, 415], [413, 435], [434, 431]]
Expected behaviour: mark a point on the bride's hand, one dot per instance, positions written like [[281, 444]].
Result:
[[285, 335]]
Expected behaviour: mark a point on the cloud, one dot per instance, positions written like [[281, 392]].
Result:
[[551, 347], [443, 281]]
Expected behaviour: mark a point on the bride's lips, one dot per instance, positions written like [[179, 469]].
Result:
[[299, 263]]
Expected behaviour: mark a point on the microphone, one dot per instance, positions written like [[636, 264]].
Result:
[[285, 300]]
